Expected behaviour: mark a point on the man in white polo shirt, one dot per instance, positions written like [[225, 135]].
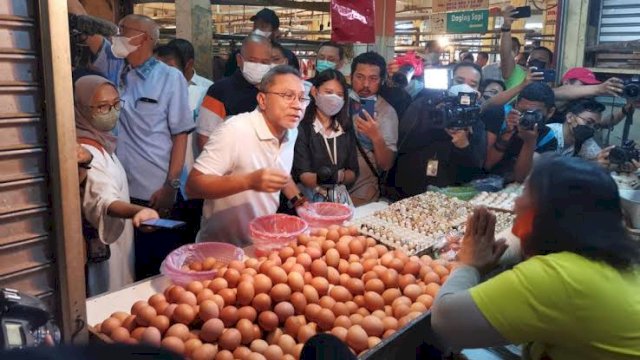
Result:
[[248, 159]]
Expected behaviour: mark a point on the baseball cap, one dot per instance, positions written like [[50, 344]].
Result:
[[269, 16], [585, 75]]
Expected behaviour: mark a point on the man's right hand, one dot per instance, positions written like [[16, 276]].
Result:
[[513, 118], [613, 87], [506, 15], [533, 75], [268, 180]]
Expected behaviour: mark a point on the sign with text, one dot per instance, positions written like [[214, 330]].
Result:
[[475, 21], [456, 5], [438, 23]]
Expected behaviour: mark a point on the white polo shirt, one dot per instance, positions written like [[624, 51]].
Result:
[[241, 145]]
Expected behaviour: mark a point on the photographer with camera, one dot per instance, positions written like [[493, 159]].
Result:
[[522, 134], [326, 156], [442, 142]]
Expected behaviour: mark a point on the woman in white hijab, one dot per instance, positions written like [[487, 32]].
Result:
[[105, 202]]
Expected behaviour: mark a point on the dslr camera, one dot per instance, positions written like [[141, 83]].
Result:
[[327, 175], [631, 88], [530, 118], [624, 154], [456, 112]]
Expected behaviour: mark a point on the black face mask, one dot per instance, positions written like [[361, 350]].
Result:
[[582, 133]]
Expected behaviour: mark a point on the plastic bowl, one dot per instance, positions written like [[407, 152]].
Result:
[[172, 264], [273, 232], [325, 214]]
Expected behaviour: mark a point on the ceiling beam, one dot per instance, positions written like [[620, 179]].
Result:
[[305, 5]]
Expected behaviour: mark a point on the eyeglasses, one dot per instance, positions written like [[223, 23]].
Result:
[[290, 97], [105, 108], [588, 122]]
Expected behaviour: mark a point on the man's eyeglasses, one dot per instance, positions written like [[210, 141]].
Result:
[[105, 108], [290, 97], [588, 122]]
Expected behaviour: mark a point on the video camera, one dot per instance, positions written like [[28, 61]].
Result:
[[81, 27], [530, 118], [24, 321], [454, 112], [631, 88], [625, 153]]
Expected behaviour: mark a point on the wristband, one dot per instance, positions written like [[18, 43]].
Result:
[[297, 200]]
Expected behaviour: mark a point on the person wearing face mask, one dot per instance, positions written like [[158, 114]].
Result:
[[152, 131], [575, 135], [326, 152], [108, 215], [237, 93], [330, 56], [573, 294]]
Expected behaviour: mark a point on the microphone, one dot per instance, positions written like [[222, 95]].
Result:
[[91, 25]]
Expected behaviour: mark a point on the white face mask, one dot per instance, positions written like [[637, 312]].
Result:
[[262, 33], [121, 46], [254, 72], [461, 88], [330, 104], [354, 95]]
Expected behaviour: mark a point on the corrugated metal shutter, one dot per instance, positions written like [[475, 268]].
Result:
[[25, 243], [619, 21]]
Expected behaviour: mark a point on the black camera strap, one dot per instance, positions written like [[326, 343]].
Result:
[[367, 160]]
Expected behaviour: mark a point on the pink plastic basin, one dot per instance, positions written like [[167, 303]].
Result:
[[273, 232], [172, 264], [325, 214]]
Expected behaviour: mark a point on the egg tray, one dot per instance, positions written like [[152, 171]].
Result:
[[416, 224], [503, 200]]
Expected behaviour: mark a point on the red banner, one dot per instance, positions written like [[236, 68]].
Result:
[[353, 21]]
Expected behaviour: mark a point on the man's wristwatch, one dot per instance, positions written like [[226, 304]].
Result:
[[174, 184], [297, 200]]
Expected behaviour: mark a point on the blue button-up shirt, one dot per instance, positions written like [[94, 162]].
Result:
[[156, 106]]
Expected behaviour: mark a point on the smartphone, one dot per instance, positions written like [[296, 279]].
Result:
[[164, 223], [538, 64], [521, 12], [436, 79], [369, 105], [549, 75]]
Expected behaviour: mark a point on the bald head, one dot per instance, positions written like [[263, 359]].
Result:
[[255, 48], [142, 24]]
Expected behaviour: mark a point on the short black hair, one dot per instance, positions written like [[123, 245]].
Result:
[[276, 71], [468, 56], [545, 49], [483, 54], [185, 49], [488, 82], [577, 209], [292, 59], [334, 45], [540, 92], [475, 66], [342, 117], [581, 105], [371, 58]]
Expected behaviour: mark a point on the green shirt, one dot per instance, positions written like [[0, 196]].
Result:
[[565, 306], [517, 77]]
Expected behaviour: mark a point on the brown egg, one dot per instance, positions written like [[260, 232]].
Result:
[[340, 294], [352, 306], [321, 285], [208, 263], [326, 319], [368, 264], [319, 268], [190, 345], [273, 336], [121, 315], [400, 311], [327, 302], [343, 250], [184, 314], [232, 276], [255, 356], [251, 263], [273, 352], [208, 310], [405, 280], [305, 333], [120, 334], [292, 325], [390, 294], [109, 325], [262, 284], [218, 284], [204, 294], [137, 333], [259, 346], [340, 333], [229, 296], [230, 339], [375, 285], [277, 275], [307, 277], [295, 281], [388, 333], [342, 321], [261, 302], [372, 325], [432, 289], [151, 336], [311, 294], [333, 276], [314, 252], [332, 258], [195, 266], [180, 331], [298, 268], [284, 310], [174, 344], [224, 355], [286, 343], [173, 293], [161, 323], [312, 311], [245, 294], [280, 292], [356, 247], [418, 307], [135, 308], [355, 270], [204, 352], [390, 323], [297, 351], [229, 316], [266, 266], [247, 312], [412, 291], [364, 312], [219, 300], [359, 300], [333, 235], [161, 307], [390, 278], [343, 266], [357, 338], [268, 320], [257, 332], [246, 330], [195, 287], [211, 330], [373, 301], [373, 341], [236, 264], [426, 300], [242, 352], [285, 253], [130, 323]]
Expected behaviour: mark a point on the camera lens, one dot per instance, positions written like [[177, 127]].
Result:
[[632, 91]]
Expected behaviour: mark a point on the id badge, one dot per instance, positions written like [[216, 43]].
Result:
[[432, 168]]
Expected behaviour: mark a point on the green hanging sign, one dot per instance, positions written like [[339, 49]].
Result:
[[474, 21]]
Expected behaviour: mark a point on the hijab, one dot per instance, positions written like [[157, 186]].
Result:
[[85, 90]]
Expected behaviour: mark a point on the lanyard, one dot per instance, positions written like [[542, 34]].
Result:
[[333, 157]]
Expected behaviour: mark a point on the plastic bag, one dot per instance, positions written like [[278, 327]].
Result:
[[325, 214], [410, 58], [353, 21], [172, 264], [448, 246], [272, 232]]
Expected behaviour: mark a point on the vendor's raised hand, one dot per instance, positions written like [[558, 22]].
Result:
[[613, 87], [368, 126], [603, 157], [268, 180], [479, 246], [528, 136], [506, 15], [459, 137], [144, 215]]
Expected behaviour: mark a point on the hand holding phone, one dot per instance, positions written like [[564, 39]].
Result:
[[164, 223], [369, 106], [521, 12]]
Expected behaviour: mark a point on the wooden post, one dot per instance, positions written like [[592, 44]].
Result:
[[193, 23], [63, 170], [385, 28]]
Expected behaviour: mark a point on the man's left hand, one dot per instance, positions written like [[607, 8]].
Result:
[[368, 126], [459, 137], [163, 200], [528, 136]]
